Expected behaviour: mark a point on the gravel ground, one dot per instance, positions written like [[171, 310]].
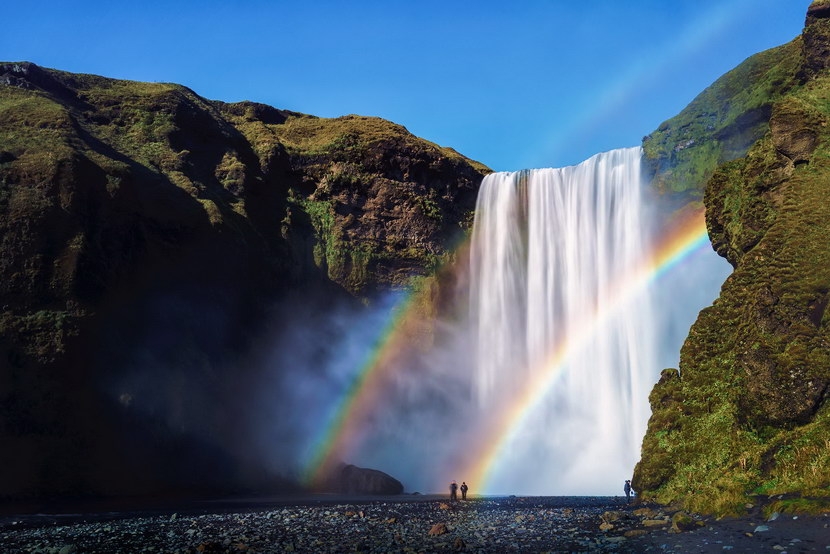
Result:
[[406, 524]]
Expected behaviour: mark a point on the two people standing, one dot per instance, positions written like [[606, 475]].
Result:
[[454, 490]]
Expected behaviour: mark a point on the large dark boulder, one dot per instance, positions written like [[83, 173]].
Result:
[[350, 479]]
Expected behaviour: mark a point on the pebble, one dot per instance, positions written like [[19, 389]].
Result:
[[482, 525]]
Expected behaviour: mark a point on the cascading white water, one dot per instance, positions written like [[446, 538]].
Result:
[[552, 250]]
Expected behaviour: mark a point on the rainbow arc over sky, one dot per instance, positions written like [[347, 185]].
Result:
[[485, 445]]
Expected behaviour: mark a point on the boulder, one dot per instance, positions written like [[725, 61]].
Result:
[[351, 479], [438, 529], [681, 521]]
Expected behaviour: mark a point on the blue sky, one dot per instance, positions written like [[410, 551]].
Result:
[[513, 84]]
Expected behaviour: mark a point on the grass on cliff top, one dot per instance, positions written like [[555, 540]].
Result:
[[721, 122], [312, 135]]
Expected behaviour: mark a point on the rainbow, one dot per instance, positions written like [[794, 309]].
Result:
[[402, 332], [643, 72], [363, 393], [488, 442], [685, 238]]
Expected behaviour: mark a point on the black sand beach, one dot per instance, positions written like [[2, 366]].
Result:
[[406, 523]]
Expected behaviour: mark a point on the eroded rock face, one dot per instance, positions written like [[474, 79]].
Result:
[[816, 39], [795, 129]]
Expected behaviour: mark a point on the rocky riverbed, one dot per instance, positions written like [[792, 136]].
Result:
[[410, 524]]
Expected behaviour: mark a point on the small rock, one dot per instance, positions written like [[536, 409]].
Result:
[[633, 533], [444, 506], [654, 522], [612, 516], [438, 529], [681, 521], [459, 544], [605, 526], [778, 547], [773, 516], [761, 529], [644, 512]]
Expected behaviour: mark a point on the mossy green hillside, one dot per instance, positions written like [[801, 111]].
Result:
[[747, 414], [382, 204], [721, 123]]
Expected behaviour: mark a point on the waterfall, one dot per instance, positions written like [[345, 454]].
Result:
[[551, 251]]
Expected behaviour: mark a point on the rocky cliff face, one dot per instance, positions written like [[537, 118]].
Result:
[[146, 233], [746, 416]]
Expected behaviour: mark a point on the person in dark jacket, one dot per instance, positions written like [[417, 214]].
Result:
[[464, 488], [453, 491]]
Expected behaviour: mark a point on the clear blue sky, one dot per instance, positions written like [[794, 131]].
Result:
[[513, 84]]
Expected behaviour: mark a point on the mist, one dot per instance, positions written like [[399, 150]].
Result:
[[257, 417]]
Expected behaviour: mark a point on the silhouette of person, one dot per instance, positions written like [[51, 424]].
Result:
[[627, 489], [453, 491], [464, 488]]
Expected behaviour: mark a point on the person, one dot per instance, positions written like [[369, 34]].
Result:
[[453, 491], [627, 489], [464, 490]]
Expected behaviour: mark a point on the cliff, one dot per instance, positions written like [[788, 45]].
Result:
[[745, 419], [148, 235]]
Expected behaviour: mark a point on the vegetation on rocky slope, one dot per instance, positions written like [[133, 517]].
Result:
[[720, 124], [746, 416], [146, 233], [383, 204]]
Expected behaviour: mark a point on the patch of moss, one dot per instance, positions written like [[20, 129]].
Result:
[[798, 505], [721, 123], [353, 134]]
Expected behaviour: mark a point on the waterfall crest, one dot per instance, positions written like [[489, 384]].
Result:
[[550, 251]]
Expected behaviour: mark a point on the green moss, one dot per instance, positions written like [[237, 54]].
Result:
[[798, 505], [722, 122], [353, 134], [429, 206]]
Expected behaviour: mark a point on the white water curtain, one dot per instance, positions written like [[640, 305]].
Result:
[[552, 259]]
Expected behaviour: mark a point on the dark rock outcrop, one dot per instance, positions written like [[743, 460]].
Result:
[[350, 479], [816, 37]]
